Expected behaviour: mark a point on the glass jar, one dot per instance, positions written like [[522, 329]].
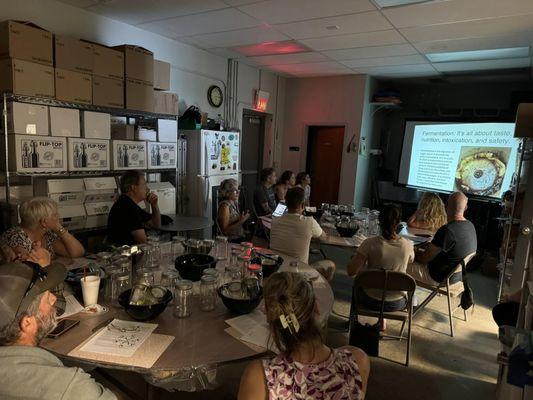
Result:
[[110, 271], [145, 257], [156, 251], [232, 273], [256, 271], [169, 279], [177, 246], [221, 243], [294, 266], [104, 259], [373, 223], [208, 293], [182, 299], [145, 277], [244, 261], [207, 246], [121, 282], [212, 272]]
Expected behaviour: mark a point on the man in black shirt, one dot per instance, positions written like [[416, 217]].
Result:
[[264, 197], [126, 221], [451, 243]]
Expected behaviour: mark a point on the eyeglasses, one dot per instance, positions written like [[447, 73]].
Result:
[[38, 274]]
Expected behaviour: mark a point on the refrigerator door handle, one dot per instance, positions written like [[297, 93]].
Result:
[[208, 187]]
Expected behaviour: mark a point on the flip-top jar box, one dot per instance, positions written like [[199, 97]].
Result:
[[72, 216], [128, 154], [31, 153], [28, 119], [88, 154], [161, 155], [66, 192]]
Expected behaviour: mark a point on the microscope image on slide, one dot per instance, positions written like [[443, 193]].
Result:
[[481, 170]]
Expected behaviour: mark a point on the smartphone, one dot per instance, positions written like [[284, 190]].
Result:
[[63, 326]]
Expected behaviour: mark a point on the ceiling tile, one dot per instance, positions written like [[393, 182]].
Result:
[[404, 49], [139, 11], [386, 61], [483, 65], [240, 37], [438, 12], [353, 23], [479, 28], [478, 43], [280, 11], [366, 39], [80, 3], [235, 3], [406, 70], [208, 22], [297, 58], [226, 53], [312, 68]]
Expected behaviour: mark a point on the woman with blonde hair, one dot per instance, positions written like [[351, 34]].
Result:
[[430, 214], [229, 218], [305, 368]]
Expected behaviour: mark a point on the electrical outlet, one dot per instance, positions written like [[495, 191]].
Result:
[[363, 151]]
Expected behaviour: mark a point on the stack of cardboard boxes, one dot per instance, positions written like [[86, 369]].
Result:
[[164, 102], [139, 77], [108, 77]]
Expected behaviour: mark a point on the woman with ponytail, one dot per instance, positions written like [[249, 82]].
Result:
[[305, 368]]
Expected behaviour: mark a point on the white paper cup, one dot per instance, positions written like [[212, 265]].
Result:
[[89, 288]]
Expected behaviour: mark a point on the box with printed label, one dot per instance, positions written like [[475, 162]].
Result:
[[26, 78], [73, 54], [72, 216], [96, 125], [106, 183], [167, 130], [64, 122], [27, 119], [25, 41], [97, 214], [88, 154], [166, 194], [161, 75], [142, 133], [138, 63], [161, 155], [73, 86], [165, 103], [63, 191], [107, 62], [30, 153], [108, 92], [128, 155], [139, 95]]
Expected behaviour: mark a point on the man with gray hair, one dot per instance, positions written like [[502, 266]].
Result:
[[27, 315]]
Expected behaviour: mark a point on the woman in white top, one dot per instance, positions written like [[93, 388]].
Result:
[[388, 251]]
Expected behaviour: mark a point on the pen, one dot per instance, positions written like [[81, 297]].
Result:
[[102, 324]]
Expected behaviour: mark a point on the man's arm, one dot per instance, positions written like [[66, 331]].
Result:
[[84, 387], [155, 221], [139, 236], [429, 254]]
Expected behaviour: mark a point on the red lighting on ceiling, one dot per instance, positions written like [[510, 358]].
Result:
[[271, 48]]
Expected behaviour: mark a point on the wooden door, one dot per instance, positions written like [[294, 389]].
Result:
[[324, 156]]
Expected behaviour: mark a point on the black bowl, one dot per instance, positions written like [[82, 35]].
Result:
[[271, 266], [346, 232], [239, 306], [316, 215], [143, 313], [191, 266]]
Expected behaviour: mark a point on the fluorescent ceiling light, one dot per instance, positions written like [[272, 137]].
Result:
[[395, 3], [271, 48], [474, 55]]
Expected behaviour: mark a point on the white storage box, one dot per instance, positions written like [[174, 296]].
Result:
[[97, 213], [147, 134], [161, 155], [64, 122], [167, 130], [105, 183], [166, 194], [128, 155], [30, 153], [96, 125], [17, 193], [72, 217], [88, 154], [28, 119], [63, 191]]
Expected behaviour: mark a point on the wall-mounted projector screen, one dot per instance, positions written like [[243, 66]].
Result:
[[475, 158]]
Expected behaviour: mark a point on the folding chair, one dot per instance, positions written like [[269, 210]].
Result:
[[397, 281], [444, 289]]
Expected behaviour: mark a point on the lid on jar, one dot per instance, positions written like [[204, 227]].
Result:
[[170, 274], [221, 238], [245, 258], [184, 284], [145, 272], [254, 267], [121, 276], [209, 279]]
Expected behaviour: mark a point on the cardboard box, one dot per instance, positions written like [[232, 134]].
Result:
[[166, 194], [97, 213], [167, 130], [30, 153], [27, 119], [96, 125], [128, 155], [162, 155], [108, 92], [165, 103], [161, 75], [63, 191], [147, 134], [73, 86], [73, 54], [108, 63], [100, 184], [88, 154], [72, 216], [138, 63], [26, 78], [139, 95], [122, 132], [64, 122], [25, 41], [17, 193]]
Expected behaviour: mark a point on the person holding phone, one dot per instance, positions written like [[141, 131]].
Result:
[[229, 218], [127, 221]]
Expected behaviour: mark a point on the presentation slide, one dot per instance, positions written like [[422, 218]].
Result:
[[474, 158]]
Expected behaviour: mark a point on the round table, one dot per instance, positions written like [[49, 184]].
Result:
[[183, 223], [200, 342]]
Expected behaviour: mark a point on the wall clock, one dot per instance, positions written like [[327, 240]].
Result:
[[215, 96]]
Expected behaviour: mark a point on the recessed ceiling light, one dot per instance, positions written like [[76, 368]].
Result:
[[474, 55], [333, 27], [271, 48], [395, 3]]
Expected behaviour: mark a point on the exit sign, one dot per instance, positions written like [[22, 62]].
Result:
[[261, 100]]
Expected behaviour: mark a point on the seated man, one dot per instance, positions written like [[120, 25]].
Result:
[[264, 196], [291, 233], [126, 221], [27, 315], [451, 243]]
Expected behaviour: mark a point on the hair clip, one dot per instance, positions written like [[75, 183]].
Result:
[[290, 322]]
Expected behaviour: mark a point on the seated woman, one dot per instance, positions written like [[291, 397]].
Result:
[[306, 368], [40, 227], [430, 214], [229, 218], [286, 181], [389, 251], [303, 180]]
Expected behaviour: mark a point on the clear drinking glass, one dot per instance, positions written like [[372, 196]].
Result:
[[221, 243], [182, 299], [177, 246], [208, 293], [156, 251], [121, 282]]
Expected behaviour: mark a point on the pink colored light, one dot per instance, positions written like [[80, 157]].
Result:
[[271, 48]]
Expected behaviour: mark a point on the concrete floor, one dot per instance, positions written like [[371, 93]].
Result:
[[441, 367]]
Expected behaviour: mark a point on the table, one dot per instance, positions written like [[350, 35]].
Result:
[[200, 345], [183, 223]]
